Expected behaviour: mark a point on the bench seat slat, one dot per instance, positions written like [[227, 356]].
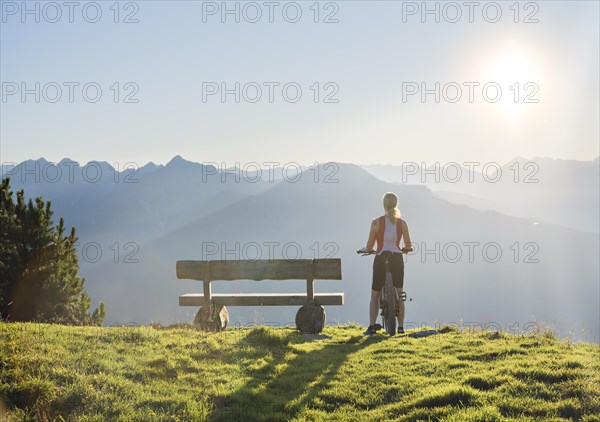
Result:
[[262, 299]]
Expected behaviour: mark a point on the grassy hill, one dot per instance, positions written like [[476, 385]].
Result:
[[52, 372]]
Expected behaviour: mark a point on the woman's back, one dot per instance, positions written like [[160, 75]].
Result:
[[390, 236]]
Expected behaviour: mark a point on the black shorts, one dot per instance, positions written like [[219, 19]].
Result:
[[396, 268]]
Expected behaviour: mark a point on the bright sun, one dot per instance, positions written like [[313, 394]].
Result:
[[512, 67], [516, 75]]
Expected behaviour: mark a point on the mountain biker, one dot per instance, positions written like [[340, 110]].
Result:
[[387, 231]]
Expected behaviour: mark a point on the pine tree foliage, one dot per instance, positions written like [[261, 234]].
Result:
[[39, 265]]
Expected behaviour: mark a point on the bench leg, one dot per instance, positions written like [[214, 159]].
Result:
[[212, 318], [310, 319]]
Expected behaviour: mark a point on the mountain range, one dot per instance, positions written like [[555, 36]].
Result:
[[483, 255], [563, 192]]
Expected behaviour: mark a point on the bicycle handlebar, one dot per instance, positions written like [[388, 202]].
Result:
[[363, 252]]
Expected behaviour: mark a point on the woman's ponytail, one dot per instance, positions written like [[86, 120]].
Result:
[[390, 203]]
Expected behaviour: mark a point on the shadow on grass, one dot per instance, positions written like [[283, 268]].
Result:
[[288, 380]]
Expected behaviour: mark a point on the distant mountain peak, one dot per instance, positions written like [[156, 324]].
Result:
[[102, 164], [149, 165], [40, 160], [178, 160], [67, 160]]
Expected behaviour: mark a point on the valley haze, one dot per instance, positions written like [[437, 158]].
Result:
[[485, 255]]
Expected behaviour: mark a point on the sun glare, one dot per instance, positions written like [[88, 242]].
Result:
[[512, 67], [517, 77]]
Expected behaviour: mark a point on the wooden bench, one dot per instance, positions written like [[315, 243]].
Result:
[[213, 314]]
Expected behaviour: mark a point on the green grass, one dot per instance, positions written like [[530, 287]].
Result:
[[60, 373]]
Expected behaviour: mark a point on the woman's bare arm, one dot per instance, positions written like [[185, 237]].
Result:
[[372, 235], [406, 236]]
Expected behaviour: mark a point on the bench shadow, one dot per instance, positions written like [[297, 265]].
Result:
[[281, 388]]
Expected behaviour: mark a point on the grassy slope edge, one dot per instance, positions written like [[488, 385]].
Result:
[[53, 372]]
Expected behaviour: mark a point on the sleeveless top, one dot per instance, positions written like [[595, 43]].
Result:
[[388, 235]]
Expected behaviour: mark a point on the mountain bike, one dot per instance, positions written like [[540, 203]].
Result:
[[389, 302]]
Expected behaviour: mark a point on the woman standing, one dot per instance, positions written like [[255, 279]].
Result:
[[387, 231]]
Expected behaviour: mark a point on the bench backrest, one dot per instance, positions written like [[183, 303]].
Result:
[[271, 269]]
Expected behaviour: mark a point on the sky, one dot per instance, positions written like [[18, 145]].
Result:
[[353, 71]]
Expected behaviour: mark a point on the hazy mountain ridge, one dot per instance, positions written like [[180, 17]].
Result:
[[564, 192], [170, 215], [151, 197]]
